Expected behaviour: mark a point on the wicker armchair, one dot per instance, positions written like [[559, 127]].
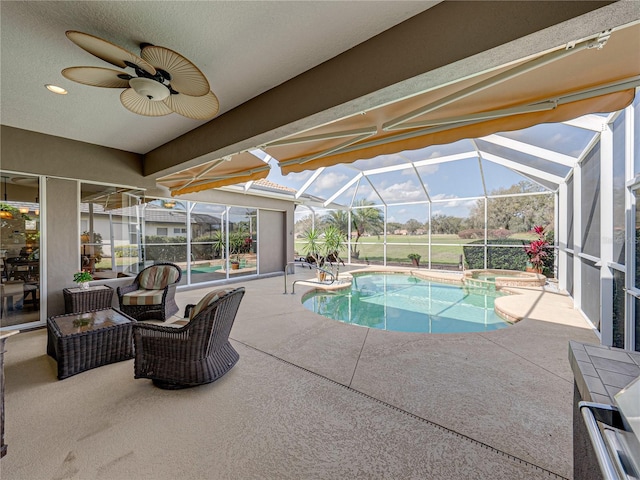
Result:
[[152, 293], [194, 354]]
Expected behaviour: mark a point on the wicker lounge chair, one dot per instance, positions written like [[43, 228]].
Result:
[[152, 293], [195, 354]]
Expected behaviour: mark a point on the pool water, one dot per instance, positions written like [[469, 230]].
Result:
[[405, 303]]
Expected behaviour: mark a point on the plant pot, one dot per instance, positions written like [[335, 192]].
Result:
[[235, 266], [531, 269], [415, 262], [84, 285], [322, 276]]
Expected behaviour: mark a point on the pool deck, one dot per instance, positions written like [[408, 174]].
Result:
[[313, 398]]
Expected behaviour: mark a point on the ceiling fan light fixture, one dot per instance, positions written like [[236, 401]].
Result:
[[150, 89], [55, 89]]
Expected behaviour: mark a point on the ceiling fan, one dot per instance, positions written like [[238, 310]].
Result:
[[164, 81]]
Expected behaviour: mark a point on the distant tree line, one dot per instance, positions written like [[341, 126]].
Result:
[[508, 214]]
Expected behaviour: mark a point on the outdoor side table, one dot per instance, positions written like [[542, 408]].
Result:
[[78, 300], [82, 341]]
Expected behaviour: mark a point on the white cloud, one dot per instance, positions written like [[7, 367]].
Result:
[[328, 181], [402, 192], [300, 177], [428, 169]]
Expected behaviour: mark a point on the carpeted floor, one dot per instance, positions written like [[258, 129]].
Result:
[[310, 398]]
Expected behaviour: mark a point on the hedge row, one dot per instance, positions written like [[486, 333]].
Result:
[[508, 258]]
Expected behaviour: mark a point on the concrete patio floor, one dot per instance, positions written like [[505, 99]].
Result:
[[312, 398]]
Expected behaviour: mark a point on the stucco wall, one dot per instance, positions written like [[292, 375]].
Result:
[[62, 240], [272, 251]]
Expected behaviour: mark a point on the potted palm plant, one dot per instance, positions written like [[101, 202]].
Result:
[[323, 246], [415, 259]]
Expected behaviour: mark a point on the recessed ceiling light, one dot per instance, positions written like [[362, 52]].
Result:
[[56, 89]]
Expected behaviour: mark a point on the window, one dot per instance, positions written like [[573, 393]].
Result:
[[179, 230], [162, 231]]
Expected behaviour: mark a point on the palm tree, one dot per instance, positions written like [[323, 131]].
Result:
[[338, 219], [365, 219]]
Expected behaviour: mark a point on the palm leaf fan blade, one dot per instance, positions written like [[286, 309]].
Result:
[[197, 108], [108, 51], [96, 77], [185, 76], [143, 106]]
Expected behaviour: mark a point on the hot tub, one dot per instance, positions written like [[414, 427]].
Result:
[[503, 278]]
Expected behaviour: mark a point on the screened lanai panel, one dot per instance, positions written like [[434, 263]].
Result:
[[502, 180], [570, 213], [208, 242], [366, 194], [243, 241], [165, 233], [413, 218], [456, 223], [619, 189], [552, 187], [512, 215], [556, 137], [453, 216], [346, 198], [590, 288], [636, 145], [304, 220], [398, 187], [524, 159], [569, 273], [461, 178], [407, 233], [590, 211]]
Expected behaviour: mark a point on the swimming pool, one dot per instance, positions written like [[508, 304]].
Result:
[[405, 303]]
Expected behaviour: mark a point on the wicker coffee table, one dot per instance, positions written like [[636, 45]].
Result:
[[81, 341]]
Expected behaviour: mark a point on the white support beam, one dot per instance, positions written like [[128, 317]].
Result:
[[630, 231], [545, 154], [562, 231], [591, 122], [577, 236], [446, 158], [376, 191], [343, 189], [523, 168], [308, 183]]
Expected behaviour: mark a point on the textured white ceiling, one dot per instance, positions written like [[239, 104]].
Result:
[[244, 48]]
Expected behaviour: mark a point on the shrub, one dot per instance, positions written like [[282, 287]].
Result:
[[126, 251], [506, 254], [471, 233], [499, 233]]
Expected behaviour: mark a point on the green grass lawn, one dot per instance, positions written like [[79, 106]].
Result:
[[445, 249]]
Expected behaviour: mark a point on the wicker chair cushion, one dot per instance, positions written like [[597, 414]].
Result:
[[157, 277], [208, 299], [143, 297]]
